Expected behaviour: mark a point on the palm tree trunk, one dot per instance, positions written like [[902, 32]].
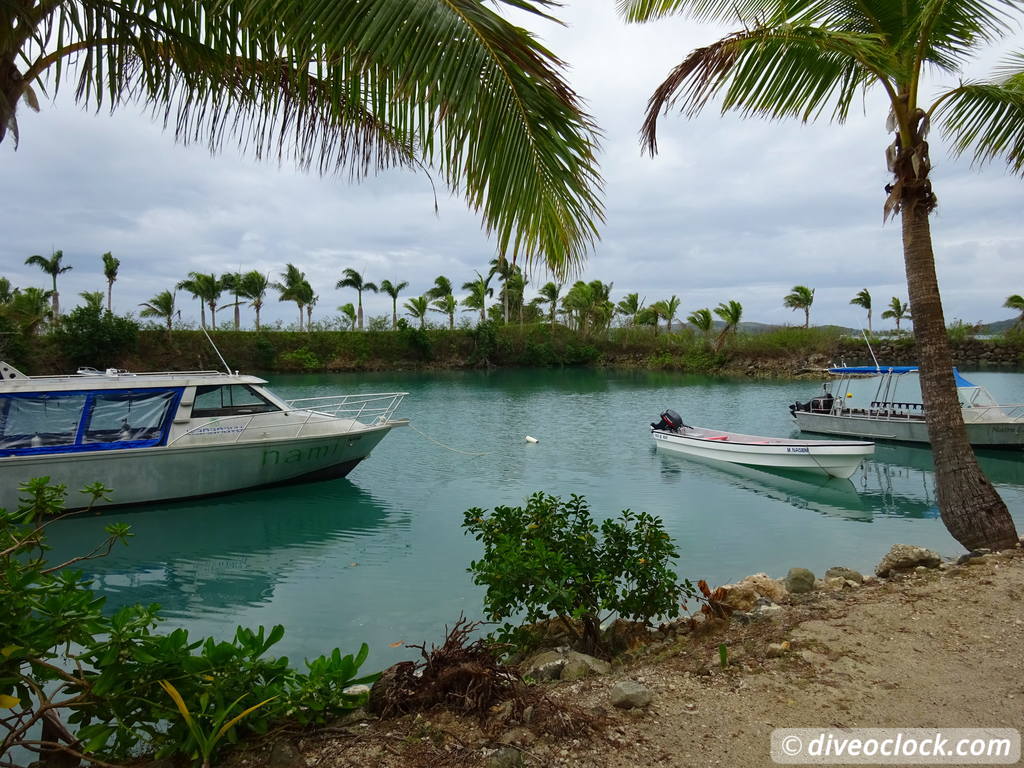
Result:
[[869, 320], [394, 314], [971, 509], [202, 314], [360, 310], [110, 289], [257, 308], [213, 316], [300, 315]]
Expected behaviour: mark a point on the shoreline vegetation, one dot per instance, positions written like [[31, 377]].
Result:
[[803, 646], [781, 352]]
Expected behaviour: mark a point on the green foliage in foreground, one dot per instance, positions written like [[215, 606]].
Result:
[[64, 661], [550, 559]]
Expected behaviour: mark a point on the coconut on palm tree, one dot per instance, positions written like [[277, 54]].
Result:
[[352, 279], [253, 286], [361, 92], [53, 267], [160, 306], [800, 297], [392, 290], [863, 300], [897, 311], [110, 267], [1016, 303], [479, 290], [417, 308], [809, 59]]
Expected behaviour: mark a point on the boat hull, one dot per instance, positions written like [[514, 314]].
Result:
[[165, 473], [829, 457], [981, 434]]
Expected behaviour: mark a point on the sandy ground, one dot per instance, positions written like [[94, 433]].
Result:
[[943, 648]]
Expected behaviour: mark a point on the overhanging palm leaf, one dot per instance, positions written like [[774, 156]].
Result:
[[352, 84]]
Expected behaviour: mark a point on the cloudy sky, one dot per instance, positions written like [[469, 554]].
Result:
[[729, 209]]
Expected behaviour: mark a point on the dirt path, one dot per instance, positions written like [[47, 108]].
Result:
[[943, 648]]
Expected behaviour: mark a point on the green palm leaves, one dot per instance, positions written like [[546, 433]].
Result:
[[160, 306], [350, 85], [53, 267], [898, 310], [1016, 303], [801, 297], [863, 300]]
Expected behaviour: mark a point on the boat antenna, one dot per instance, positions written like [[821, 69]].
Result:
[[226, 368], [878, 368]]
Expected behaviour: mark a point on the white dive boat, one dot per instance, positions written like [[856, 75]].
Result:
[[161, 436], [831, 457], [884, 403]]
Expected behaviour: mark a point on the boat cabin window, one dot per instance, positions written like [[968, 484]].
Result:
[[68, 422], [230, 400], [34, 421], [120, 416]]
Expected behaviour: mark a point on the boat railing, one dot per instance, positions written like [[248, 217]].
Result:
[[360, 411], [896, 411]]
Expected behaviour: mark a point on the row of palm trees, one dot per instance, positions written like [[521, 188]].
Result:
[[801, 298], [586, 306], [53, 266]]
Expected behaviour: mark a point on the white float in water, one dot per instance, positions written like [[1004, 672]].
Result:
[[532, 439]]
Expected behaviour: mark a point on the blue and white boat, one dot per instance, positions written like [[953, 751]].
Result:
[[161, 436], [884, 403], [835, 458]]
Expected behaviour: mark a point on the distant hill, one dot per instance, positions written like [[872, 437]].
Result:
[[1000, 326]]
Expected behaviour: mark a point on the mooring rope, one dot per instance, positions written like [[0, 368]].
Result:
[[447, 447]]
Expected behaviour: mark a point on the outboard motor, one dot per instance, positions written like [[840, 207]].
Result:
[[822, 404], [670, 422]]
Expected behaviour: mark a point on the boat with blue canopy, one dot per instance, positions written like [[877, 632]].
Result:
[[175, 435], [885, 403]]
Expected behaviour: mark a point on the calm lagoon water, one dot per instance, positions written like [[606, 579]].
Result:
[[380, 556]]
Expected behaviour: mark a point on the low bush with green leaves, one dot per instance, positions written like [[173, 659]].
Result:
[[97, 684], [550, 559]]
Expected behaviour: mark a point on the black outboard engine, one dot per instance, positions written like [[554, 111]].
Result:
[[670, 422], [822, 404]]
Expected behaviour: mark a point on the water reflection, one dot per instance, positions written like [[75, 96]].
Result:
[[898, 482], [223, 554]]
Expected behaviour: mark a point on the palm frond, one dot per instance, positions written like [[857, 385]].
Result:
[[354, 85], [986, 120], [774, 72]]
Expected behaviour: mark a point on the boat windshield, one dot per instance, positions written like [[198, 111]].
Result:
[[61, 422]]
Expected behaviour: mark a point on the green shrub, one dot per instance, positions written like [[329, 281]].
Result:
[[62, 659], [300, 360], [550, 559], [93, 336]]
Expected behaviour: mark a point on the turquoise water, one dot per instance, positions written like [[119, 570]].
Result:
[[380, 556]]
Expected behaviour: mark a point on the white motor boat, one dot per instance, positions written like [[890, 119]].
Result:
[[838, 458], [162, 436], [884, 403]]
